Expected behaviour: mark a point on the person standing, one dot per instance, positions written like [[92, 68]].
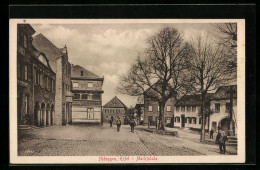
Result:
[[111, 121], [132, 125], [118, 124], [211, 134], [222, 139]]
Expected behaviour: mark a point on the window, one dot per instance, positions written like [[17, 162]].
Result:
[[26, 102], [200, 120], [158, 108], [186, 120], [84, 96], [90, 84], [150, 108], [96, 97], [188, 108], [193, 108], [25, 72], [177, 108], [77, 95], [217, 107], [227, 107], [177, 119], [194, 120], [25, 41], [183, 108], [168, 108], [75, 85], [167, 120], [81, 73]]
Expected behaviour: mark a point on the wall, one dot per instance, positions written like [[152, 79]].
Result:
[[155, 112], [217, 117], [188, 114], [83, 84], [121, 112]]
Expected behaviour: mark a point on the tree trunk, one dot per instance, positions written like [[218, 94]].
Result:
[[231, 110], [161, 116], [203, 121]]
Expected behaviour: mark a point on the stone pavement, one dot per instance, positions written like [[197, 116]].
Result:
[[86, 140]]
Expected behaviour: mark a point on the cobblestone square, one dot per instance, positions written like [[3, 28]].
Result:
[[86, 140]]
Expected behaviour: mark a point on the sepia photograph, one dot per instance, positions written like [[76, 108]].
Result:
[[127, 91]]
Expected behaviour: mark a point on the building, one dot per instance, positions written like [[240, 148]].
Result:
[[87, 91], [44, 80], [116, 108], [36, 80], [151, 111], [58, 61], [151, 108], [24, 76], [187, 112], [220, 105]]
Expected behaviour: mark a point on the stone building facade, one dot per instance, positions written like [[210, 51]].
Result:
[[36, 80], [58, 60], [24, 76], [115, 108], [87, 92], [151, 111], [43, 90]]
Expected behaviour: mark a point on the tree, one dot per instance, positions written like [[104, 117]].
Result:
[[158, 74], [226, 34], [207, 68]]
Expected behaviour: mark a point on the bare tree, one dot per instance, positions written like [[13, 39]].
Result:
[[207, 68], [158, 74], [226, 34]]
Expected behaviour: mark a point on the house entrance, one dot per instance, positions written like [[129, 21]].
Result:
[[182, 120]]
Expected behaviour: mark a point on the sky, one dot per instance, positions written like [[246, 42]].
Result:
[[109, 50]]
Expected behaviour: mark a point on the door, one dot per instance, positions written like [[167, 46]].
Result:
[[182, 120], [214, 126], [90, 113]]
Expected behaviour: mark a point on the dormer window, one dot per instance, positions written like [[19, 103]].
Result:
[[81, 73]]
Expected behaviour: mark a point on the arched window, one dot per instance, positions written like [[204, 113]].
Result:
[[26, 104]]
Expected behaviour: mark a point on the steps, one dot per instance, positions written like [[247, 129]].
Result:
[[24, 127], [232, 141]]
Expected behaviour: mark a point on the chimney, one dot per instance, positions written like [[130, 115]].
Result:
[[65, 49]]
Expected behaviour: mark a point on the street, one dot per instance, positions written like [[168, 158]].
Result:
[[90, 140]]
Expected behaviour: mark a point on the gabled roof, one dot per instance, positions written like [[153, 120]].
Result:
[[223, 92], [37, 54], [41, 43], [76, 73], [115, 103], [192, 100]]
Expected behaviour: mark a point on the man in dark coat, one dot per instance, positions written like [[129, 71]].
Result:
[[211, 134], [132, 125], [111, 121], [118, 124], [222, 139]]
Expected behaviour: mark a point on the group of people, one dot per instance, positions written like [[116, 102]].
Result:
[[118, 123], [221, 139]]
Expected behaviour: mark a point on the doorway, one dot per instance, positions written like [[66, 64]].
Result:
[[182, 120], [90, 113]]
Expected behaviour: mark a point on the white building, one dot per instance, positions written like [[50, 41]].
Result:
[[220, 105], [187, 112]]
